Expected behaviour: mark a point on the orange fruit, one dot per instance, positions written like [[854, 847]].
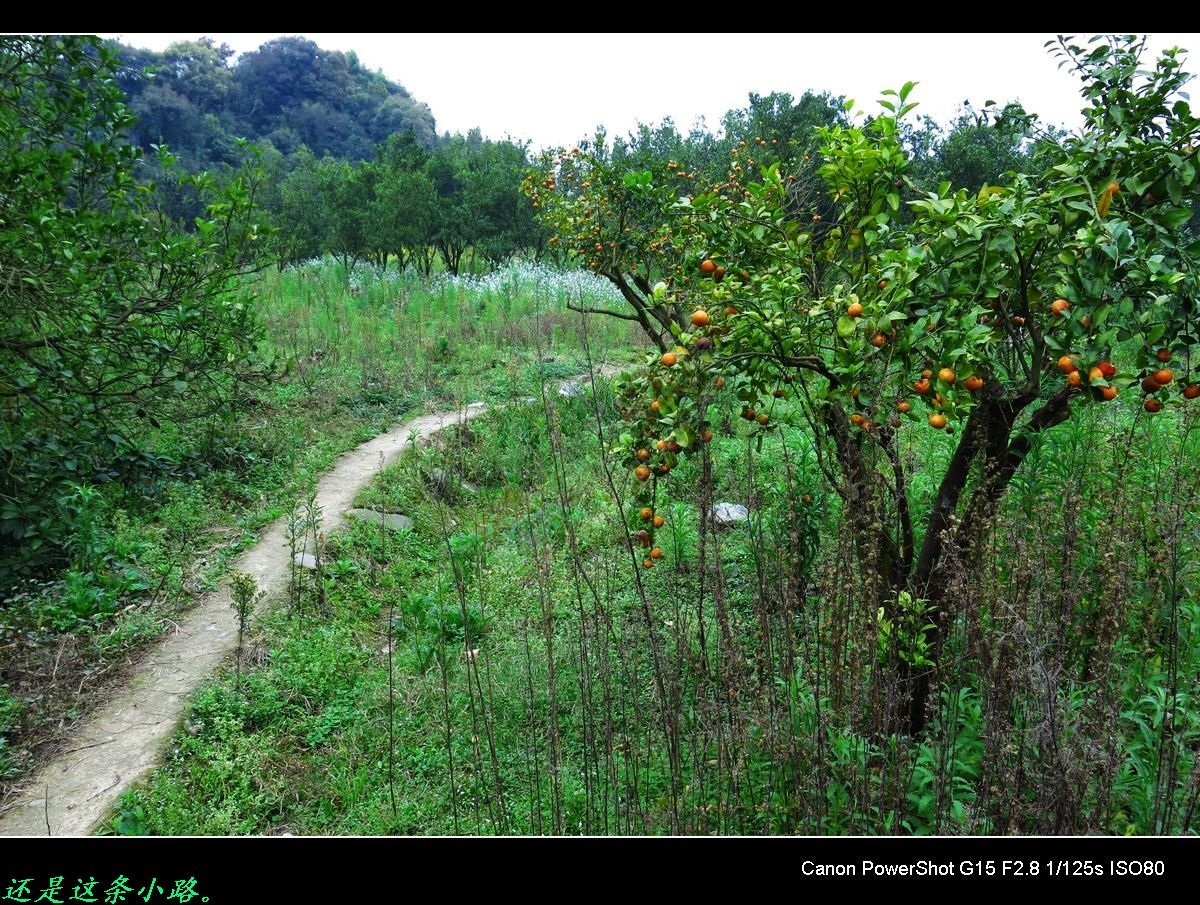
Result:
[[763, 418], [1163, 376], [1108, 394], [648, 563], [708, 265], [643, 454], [669, 359], [854, 309], [646, 514], [903, 407], [1164, 355], [937, 420], [659, 521], [922, 386], [656, 553], [719, 383], [1060, 306], [748, 413], [1152, 405], [1066, 364], [700, 318], [1150, 385], [1107, 368], [947, 375], [642, 473], [1192, 391], [1074, 379], [974, 383]]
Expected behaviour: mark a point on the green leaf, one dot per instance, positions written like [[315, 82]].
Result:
[[845, 326]]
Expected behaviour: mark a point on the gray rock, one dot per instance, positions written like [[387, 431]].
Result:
[[570, 389], [392, 520], [306, 560], [727, 514]]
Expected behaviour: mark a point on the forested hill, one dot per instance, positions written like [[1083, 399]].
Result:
[[196, 98]]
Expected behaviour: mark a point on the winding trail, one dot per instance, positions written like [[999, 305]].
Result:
[[120, 742]]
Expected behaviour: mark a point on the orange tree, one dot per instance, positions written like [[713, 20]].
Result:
[[992, 315], [613, 209]]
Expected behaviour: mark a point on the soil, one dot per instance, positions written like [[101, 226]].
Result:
[[122, 740]]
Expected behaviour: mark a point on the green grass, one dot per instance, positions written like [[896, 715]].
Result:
[[527, 645], [359, 353]]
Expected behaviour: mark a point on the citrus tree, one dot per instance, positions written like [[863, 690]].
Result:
[[992, 314]]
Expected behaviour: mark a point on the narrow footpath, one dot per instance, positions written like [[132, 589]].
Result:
[[119, 743]]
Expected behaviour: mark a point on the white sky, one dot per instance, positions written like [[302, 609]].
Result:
[[555, 88]]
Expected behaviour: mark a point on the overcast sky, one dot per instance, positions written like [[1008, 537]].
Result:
[[554, 89]]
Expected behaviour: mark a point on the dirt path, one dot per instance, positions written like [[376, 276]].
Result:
[[119, 743]]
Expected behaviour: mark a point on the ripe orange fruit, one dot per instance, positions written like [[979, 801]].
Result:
[[858, 419], [974, 383], [718, 274], [947, 375], [922, 386], [1094, 373], [1164, 355], [1066, 364], [730, 311], [673, 446], [1074, 379], [656, 553], [749, 413], [669, 359], [643, 454], [763, 418], [660, 445], [1150, 385], [1108, 393], [878, 340], [1191, 391], [1018, 321], [927, 374], [648, 563], [854, 309], [1152, 405], [903, 407], [646, 514], [1163, 376], [656, 406], [642, 473], [937, 420], [659, 521], [700, 318], [1060, 306], [1107, 368], [708, 265]]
